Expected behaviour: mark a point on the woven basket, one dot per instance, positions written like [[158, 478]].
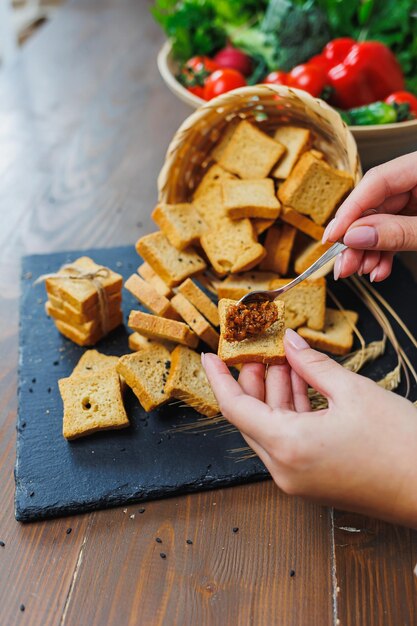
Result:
[[269, 106]]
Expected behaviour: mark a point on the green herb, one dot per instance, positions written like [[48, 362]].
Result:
[[376, 113]]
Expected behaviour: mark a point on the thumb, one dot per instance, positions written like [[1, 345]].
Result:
[[383, 231], [317, 369]]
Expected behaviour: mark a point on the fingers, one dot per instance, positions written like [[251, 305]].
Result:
[[383, 232], [248, 414], [252, 380], [278, 389], [348, 263], [300, 393], [385, 181], [317, 369], [383, 269], [370, 260]]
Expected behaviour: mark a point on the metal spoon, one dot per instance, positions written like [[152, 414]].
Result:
[[271, 295]]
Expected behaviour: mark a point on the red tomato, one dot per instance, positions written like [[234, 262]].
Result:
[[276, 78], [401, 97], [336, 51], [222, 81], [197, 90], [311, 78], [197, 64]]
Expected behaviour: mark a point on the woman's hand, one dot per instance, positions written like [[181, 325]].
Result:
[[359, 454], [377, 219]]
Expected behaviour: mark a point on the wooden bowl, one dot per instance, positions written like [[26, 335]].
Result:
[[376, 144]]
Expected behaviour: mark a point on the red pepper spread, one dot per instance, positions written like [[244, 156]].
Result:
[[248, 320]]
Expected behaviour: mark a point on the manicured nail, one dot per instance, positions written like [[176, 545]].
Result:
[[361, 237], [295, 340], [360, 270], [328, 230], [338, 266], [202, 358], [373, 274]]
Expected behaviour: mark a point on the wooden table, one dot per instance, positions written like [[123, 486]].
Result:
[[84, 124]]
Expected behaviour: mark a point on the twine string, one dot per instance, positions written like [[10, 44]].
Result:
[[93, 277]]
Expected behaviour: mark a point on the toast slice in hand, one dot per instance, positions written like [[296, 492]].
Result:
[[187, 381], [267, 348], [146, 373], [314, 188], [250, 153], [180, 223], [172, 265], [92, 402], [337, 334]]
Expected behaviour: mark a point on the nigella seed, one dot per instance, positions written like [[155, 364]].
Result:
[[141, 510], [292, 573], [189, 541], [162, 555], [235, 529], [31, 494], [22, 607], [56, 363], [2, 544], [68, 531], [158, 540]]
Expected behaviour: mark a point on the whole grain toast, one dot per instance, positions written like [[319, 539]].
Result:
[[337, 334], [146, 373], [314, 188], [180, 223], [156, 327], [187, 381], [172, 265], [250, 153], [196, 321], [250, 198], [92, 402], [278, 244], [267, 348]]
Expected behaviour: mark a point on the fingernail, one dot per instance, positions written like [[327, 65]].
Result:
[[202, 358], [373, 274], [338, 266], [295, 340], [361, 237], [360, 270], [328, 230]]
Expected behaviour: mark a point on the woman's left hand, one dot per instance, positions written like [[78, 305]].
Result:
[[359, 454]]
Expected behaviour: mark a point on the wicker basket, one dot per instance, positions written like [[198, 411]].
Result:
[[268, 106]]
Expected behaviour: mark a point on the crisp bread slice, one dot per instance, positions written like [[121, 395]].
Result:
[[296, 141], [337, 334], [267, 348], [308, 255], [278, 244], [187, 381], [147, 294], [156, 327], [140, 342], [146, 373], [92, 402], [172, 265], [250, 153], [236, 286], [148, 274], [302, 223], [198, 298], [180, 223], [196, 321], [250, 198], [305, 304], [92, 313]]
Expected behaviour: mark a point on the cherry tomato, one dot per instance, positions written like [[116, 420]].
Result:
[[276, 78], [197, 64], [401, 97], [197, 90], [311, 78], [222, 81], [336, 51]]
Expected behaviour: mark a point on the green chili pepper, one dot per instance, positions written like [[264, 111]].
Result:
[[376, 113]]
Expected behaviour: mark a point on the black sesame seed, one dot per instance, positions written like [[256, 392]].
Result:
[[22, 607], [56, 363], [158, 540], [142, 511], [162, 555], [122, 449], [292, 573], [33, 380], [31, 494], [2, 544], [189, 541], [68, 531], [30, 390], [23, 424], [49, 389], [235, 529]]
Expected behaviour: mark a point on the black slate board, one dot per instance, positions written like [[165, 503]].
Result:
[[143, 462]]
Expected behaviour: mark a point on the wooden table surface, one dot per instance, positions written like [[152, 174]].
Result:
[[84, 124]]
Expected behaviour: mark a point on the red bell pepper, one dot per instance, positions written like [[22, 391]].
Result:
[[369, 72]]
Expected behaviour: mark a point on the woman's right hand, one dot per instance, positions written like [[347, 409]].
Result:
[[377, 219]]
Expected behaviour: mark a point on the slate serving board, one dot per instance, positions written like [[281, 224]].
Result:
[[147, 460]]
